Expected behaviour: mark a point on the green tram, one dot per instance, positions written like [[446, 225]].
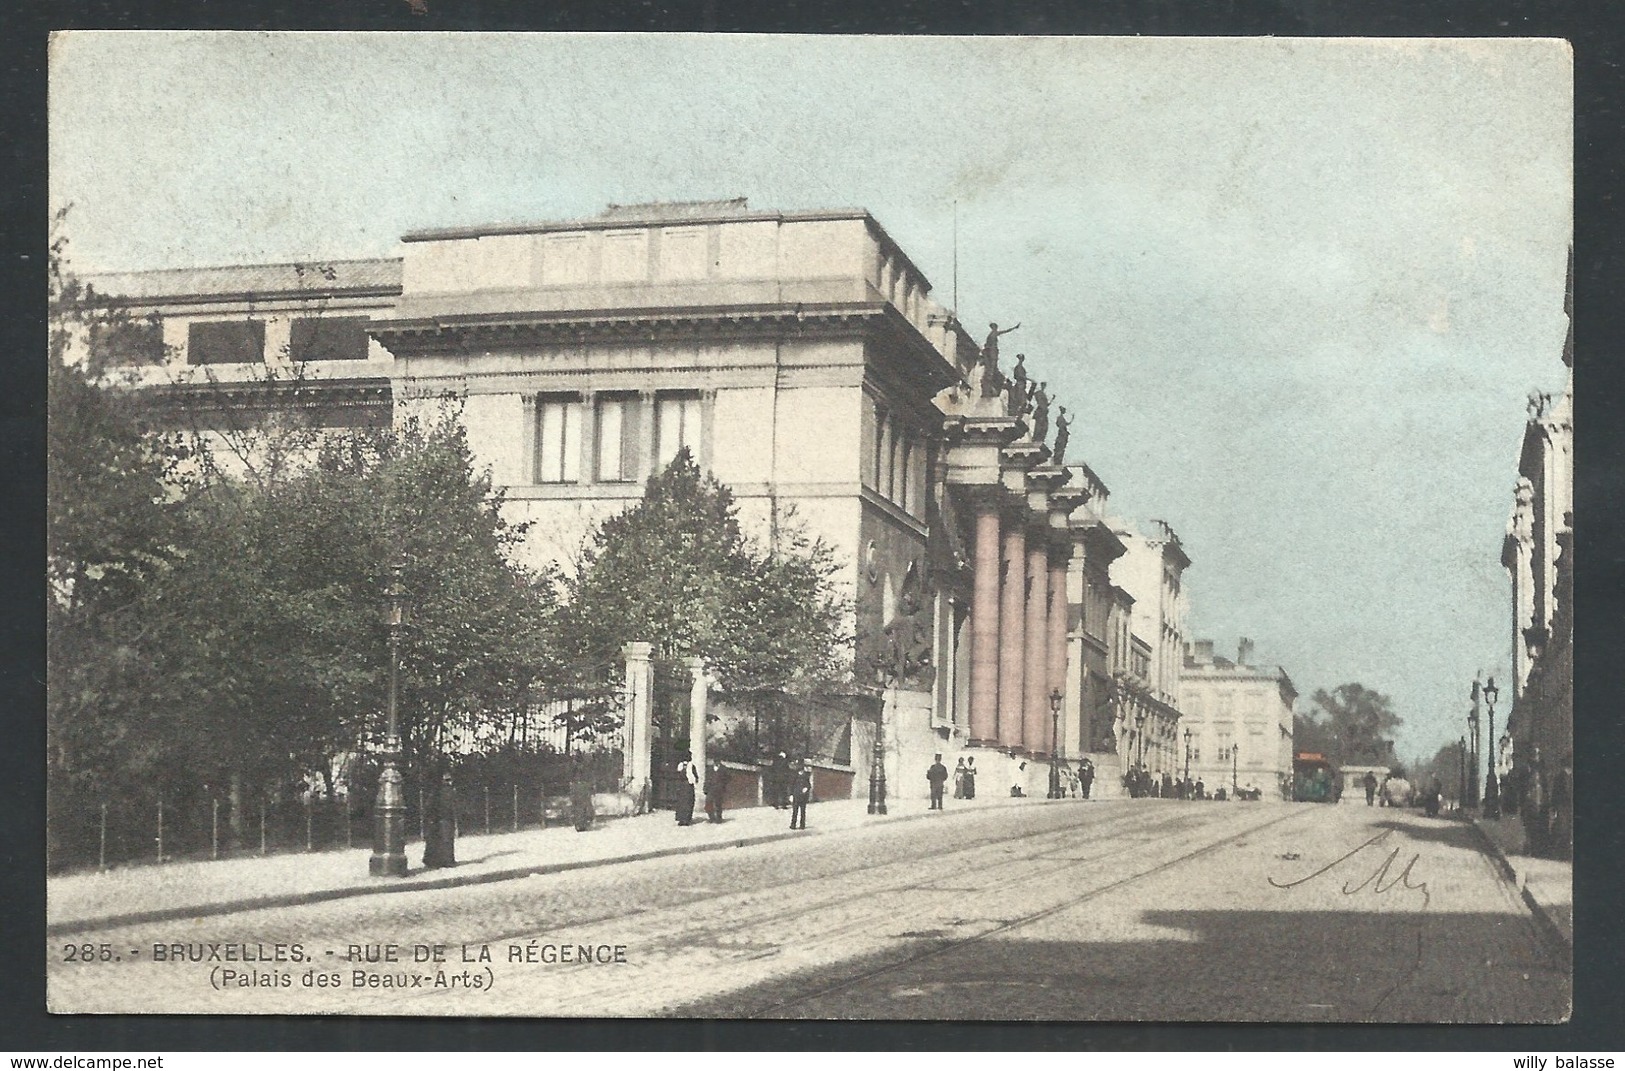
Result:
[[1314, 780]]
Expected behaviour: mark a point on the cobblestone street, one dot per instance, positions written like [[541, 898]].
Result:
[[1060, 911]]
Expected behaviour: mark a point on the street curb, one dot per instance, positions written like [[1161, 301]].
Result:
[[450, 881], [1548, 927]]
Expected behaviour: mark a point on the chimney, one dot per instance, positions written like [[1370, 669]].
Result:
[[1244, 651], [1204, 652]]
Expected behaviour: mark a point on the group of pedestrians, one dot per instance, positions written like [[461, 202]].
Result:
[[785, 784], [1141, 783]]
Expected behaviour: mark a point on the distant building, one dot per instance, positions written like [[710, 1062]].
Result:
[[1151, 572], [1239, 716]]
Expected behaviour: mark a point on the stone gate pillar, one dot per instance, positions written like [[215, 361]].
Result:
[[637, 732], [699, 701]]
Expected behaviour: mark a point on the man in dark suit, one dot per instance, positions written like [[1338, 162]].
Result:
[[800, 794], [716, 782], [937, 776]]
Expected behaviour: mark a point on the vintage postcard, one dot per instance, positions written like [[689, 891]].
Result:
[[834, 528]]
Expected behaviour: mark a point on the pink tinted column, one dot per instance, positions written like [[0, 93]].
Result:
[[1035, 707], [984, 624], [1013, 635]]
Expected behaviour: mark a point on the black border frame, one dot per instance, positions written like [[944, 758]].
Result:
[[1600, 489]]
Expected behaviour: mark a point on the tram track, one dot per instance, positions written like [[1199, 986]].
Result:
[[783, 1007], [787, 901]]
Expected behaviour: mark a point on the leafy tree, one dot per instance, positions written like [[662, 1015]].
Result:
[[677, 571], [111, 528], [1359, 722]]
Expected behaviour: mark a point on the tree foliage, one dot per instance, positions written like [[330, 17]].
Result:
[[1357, 724], [678, 571]]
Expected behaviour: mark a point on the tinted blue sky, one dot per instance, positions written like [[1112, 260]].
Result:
[[1298, 290]]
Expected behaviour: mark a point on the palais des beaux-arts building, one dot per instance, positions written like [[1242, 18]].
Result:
[[800, 359]]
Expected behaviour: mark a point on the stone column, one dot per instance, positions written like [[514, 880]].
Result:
[[1035, 706], [637, 738], [984, 624], [1058, 676], [527, 440], [1013, 634], [699, 700]]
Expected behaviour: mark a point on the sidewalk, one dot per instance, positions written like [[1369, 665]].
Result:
[[135, 894], [1546, 885]]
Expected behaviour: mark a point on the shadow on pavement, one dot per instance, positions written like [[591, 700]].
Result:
[[1201, 966], [1436, 831]]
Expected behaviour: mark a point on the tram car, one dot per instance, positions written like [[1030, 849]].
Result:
[[1314, 780]]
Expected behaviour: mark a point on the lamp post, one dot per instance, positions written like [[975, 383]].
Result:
[[389, 812], [1054, 743], [1187, 756], [1472, 753], [1235, 768], [1139, 735], [1492, 786], [1462, 797], [877, 760]]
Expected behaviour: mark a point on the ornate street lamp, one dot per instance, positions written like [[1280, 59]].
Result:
[[1492, 786], [1472, 754], [1054, 743], [877, 760], [1461, 799], [1187, 755], [389, 812], [1139, 733], [1235, 768]]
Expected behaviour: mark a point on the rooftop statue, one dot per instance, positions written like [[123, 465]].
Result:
[[1063, 432], [990, 360], [1018, 386], [1040, 426]]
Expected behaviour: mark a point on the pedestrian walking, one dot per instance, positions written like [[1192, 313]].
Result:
[[716, 782], [1167, 785], [1086, 775], [970, 778], [1370, 783], [800, 795], [778, 785], [1201, 789], [959, 779], [936, 776], [688, 777], [581, 798]]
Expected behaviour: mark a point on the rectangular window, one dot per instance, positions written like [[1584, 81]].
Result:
[[128, 341], [328, 338], [882, 433], [1227, 745], [617, 442], [226, 342], [558, 440], [677, 424]]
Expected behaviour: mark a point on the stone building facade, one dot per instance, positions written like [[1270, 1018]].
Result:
[[1534, 758], [800, 358], [1239, 718]]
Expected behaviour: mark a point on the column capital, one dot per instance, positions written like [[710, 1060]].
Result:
[[981, 430], [637, 651]]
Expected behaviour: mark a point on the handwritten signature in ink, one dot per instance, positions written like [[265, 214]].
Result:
[[1379, 880]]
